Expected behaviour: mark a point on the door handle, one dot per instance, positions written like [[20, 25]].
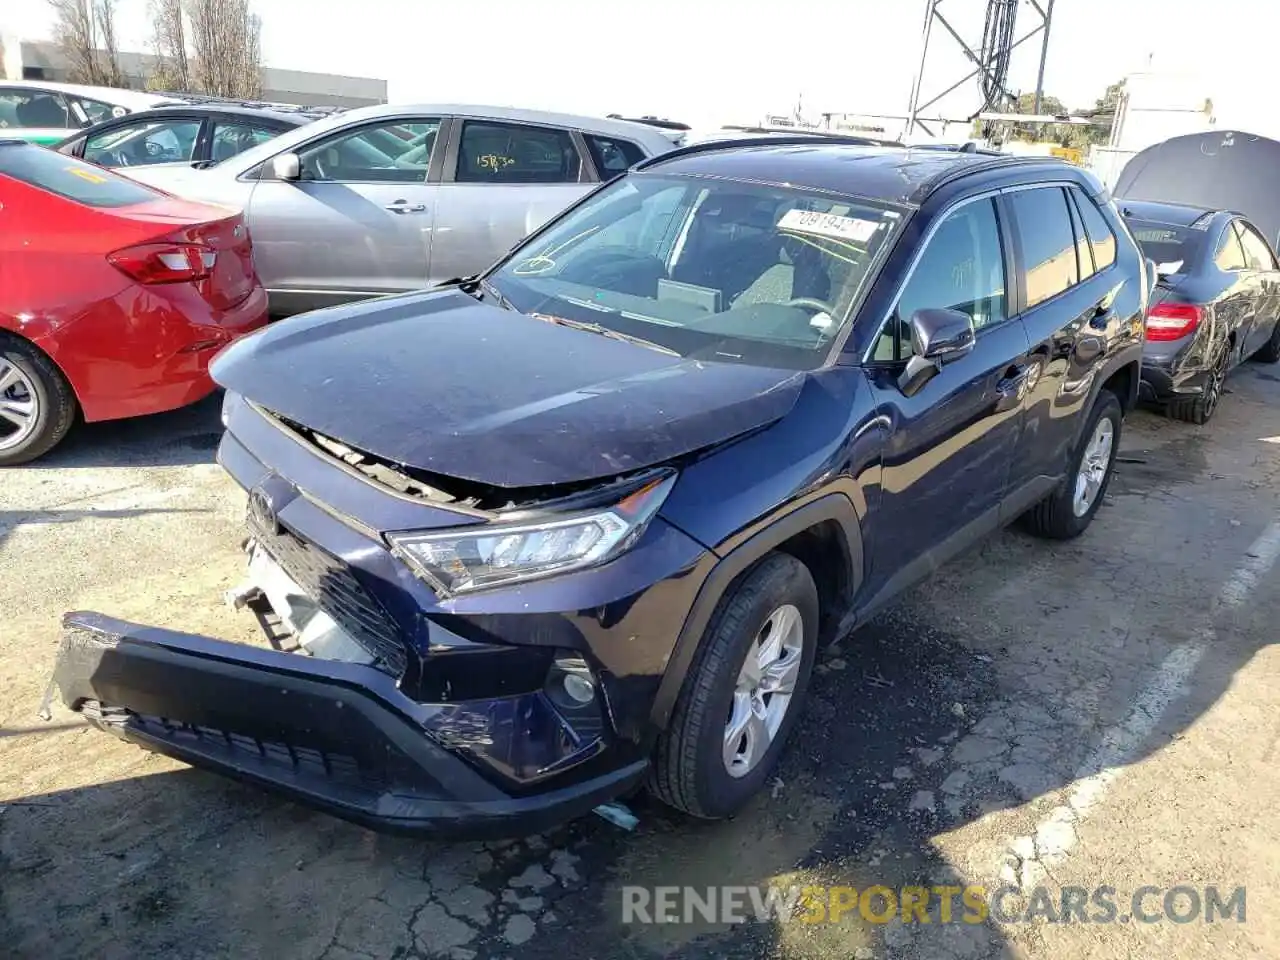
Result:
[[404, 206]]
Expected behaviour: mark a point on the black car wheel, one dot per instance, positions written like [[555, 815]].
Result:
[[1270, 351], [37, 406], [743, 693], [1199, 409], [1069, 510]]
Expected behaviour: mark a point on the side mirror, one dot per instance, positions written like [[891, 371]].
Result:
[[286, 166], [938, 337]]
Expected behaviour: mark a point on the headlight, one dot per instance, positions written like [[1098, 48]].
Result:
[[487, 555]]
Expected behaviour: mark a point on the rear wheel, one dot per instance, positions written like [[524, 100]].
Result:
[[743, 693], [1270, 351], [1069, 510], [1199, 409], [37, 406]]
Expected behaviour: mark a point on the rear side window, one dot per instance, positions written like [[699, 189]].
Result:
[[1084, 256], [1101, 239], [232, 138], [72, 178], [611, 156], [1229, 255], [1257, 253], [515, 153], [1048, 244]]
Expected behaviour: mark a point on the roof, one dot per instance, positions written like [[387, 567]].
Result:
[[133, 99], [897, 175], [1174, 214]]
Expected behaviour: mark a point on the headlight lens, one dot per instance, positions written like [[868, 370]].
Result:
[[487, 555]]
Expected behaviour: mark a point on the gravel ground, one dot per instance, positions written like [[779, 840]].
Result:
[[1093, 713]]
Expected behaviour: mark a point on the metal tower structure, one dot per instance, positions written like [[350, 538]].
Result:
[[991, 60]]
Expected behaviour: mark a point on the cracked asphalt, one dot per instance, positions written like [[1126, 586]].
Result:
[[1038, 715]]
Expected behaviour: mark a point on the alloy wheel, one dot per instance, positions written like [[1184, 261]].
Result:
[[19, 405], [1093, 466], [763, 694]]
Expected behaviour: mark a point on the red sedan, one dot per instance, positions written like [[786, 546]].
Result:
[[114, 296]]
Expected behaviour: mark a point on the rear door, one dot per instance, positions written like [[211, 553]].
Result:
[[949, 448], [359, 221], [1264, 287], [1066, 255], [502, 180]]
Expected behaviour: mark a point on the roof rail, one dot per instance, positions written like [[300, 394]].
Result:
[[195, 99], [991, 163], [786, 140], [650, 121]]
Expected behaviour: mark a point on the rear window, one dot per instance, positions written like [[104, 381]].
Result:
[[71, 178], [1167, 242]]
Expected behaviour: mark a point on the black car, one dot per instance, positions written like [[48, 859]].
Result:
[[197, 133], [1217, 302], [582, 522]]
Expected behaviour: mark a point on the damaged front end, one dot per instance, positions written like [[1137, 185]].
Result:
[[411, 682]]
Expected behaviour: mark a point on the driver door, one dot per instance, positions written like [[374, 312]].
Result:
[[359, 221], [949, 447]]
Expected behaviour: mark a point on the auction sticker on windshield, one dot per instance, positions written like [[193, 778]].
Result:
[[828, 225]]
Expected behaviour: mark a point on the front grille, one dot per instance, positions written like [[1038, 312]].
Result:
[[334, 588]]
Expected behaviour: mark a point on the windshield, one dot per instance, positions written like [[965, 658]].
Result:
[[713, 269], [1167, 242]]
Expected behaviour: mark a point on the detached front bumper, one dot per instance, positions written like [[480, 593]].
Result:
[[339, 737]]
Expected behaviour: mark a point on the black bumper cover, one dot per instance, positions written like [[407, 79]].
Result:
[[335, 736]]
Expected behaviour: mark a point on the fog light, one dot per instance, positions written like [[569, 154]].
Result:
[[578, 688]]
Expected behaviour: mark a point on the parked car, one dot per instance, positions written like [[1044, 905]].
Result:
[[582, 522], [45, 112], [113, 297], [1217, 302], [386, 199], [195, 134]]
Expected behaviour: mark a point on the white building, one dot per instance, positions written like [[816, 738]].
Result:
[[1153, 107], [42, 60]]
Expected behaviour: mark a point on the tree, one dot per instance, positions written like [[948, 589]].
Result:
[[226, 47], [85, 30], [172, 69]]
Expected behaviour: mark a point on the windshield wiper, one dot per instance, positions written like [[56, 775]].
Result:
[[605, 332], [492, 291]]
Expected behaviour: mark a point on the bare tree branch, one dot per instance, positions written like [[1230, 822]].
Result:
[[73, 30], [104, 12], [169, 44], [226, 51]]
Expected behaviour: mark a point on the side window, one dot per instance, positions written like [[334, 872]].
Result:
[[1257, 254], [1101, 239], [88, 112], [514, 153], [1084, 255], [395, 152], [611, 156], [24, 107], [230, 138], [962, 269], [1230, 255], [142, 143], [1048, 245]]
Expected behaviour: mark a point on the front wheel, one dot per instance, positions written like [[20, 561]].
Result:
[[1069, 510], [743, 693], [1270, 352]]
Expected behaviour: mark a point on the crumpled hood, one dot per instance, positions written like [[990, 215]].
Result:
[[443, 383]]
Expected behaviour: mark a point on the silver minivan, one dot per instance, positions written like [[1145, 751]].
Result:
[[386, 199]]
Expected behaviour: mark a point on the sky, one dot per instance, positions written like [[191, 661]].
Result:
[[724, 61]]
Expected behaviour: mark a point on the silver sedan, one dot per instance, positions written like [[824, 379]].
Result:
[[385, 199]]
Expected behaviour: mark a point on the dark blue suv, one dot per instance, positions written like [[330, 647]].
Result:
[[580, 523]]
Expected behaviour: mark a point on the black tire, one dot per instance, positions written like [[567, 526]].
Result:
[[1270, 352], [688, 770], [1201, 408], [1054, 517], [55, 402]]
